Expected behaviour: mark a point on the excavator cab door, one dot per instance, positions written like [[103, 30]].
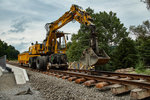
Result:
[[60, 46]]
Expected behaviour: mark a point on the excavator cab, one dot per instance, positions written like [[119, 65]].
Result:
[[36, 48], [61, 45]]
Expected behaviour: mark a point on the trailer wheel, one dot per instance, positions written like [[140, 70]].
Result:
[[39, 63], [31, 63]]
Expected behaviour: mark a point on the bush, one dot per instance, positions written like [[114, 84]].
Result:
[[140, 66], [125, 54]]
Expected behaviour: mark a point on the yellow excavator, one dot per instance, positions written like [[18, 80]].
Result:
[[52, 52]]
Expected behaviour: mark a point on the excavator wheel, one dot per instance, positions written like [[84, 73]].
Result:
[[41, 63], [45, 61], [32, 64], [21, 64]]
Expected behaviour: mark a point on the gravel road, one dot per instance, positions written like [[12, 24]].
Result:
[[52, 88]]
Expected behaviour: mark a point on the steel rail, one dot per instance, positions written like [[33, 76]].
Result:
[[101, 78], [134, 76], [106, 79]]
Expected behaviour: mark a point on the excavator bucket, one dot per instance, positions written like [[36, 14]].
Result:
[[90, 58]]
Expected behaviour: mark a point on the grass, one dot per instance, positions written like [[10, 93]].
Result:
[[143, 71]]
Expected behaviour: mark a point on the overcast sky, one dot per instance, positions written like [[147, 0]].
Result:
[[22, 21]]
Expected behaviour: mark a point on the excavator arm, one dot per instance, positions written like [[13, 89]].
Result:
[[91, 56], [75, 13]]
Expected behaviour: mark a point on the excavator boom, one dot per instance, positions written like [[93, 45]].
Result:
[[75, 13]]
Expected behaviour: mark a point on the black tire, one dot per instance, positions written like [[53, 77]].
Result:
[[39, 63], [31, 63], [21, 64], [45, 61]]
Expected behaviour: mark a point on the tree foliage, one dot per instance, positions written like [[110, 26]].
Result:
[[8, 50], [142, 33], [125, 54], [144, 51], [74, 52]]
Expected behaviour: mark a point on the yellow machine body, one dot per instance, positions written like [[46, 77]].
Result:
[[36, 49], [23, 58]]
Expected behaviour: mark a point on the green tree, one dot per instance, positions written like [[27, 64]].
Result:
[[142, 33], [125, 54], [74, 52], [144, 51], [69, 44], [8, 50]]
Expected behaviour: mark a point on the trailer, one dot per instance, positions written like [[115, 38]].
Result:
[[23, 58]]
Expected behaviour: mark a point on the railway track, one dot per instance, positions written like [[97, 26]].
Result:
[[122, 75], [118, 83]]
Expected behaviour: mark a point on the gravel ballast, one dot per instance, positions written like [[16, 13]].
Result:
[[53, 88], [9, 89]]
